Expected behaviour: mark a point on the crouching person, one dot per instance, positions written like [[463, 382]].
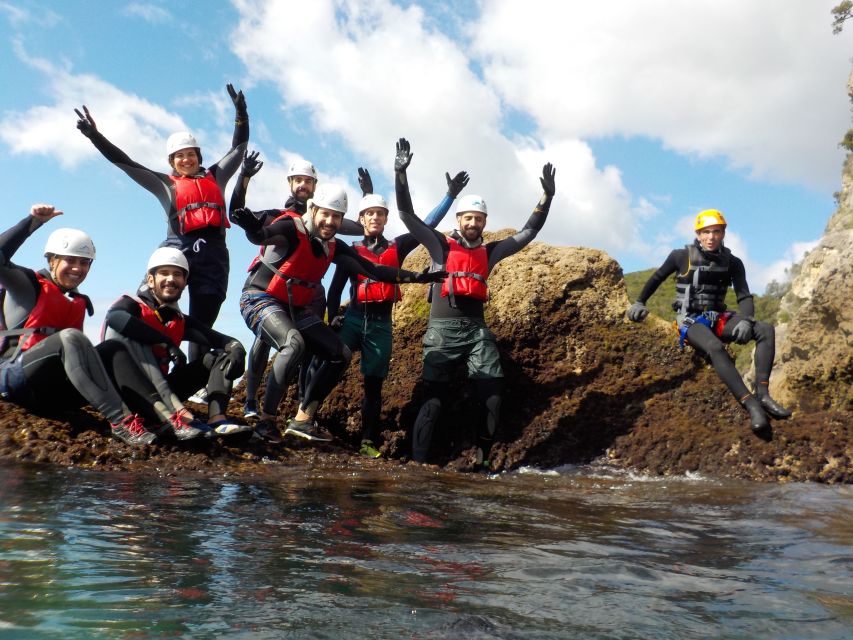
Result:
[[45, 358], [152, 326]]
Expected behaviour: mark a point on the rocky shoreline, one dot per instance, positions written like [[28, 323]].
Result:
[[582, 385]]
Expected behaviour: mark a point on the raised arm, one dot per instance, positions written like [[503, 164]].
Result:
[[251, 165], [230, 162], [454, 188], [500, 250], [435, 242]]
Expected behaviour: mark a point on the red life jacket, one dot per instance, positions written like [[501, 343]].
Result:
[[199, 203], [54, 311], [285, 213], [173, 330], [371, 290], [301, 272], [467, 270]]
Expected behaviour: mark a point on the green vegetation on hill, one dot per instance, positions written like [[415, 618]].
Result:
[[660, 304]]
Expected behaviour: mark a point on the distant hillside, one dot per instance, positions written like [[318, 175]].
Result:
[[660, 304]]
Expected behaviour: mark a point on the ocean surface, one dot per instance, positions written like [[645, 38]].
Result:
[[411, 553]]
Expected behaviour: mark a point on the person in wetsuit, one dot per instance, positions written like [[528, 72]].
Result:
[[366, 325], [457, 331], [705, 270], [192, 198], [152, 327], [46, 361], [277, 302], [302, 181]]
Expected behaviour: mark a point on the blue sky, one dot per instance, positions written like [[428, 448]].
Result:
[[650, 110]]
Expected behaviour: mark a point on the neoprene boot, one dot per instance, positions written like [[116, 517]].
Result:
[[757, 418], [773, 408]]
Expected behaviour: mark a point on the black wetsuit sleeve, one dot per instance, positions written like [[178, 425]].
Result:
[[501, 249], [279, 233], [125, 317], [434, 241], [347, 258], [157, 183], [350, 228], [20, 283], [745, 302], [406, 243], [230, 162], [336, 288], [675, 262]]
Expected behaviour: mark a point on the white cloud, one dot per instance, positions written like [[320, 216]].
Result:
[[761, 83], [148, 12], [371, 73]]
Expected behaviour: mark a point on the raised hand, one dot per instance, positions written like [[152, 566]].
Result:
[[456, 183], [547, 179], [403, 157], [245, 219], [364, 181], [251, 165], [44, 212], [237, 98], [85, 122]]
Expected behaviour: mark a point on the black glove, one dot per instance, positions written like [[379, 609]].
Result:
[[547, 179], [637, 312], [403, 156], [742, 333], [251, 165], [85, 122], [429, 276], [238, 99], [233, 360], [364, 181], [337, 322], [456, 183], [244, 218], [176, 355]]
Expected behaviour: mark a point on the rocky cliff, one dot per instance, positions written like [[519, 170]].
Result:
[[814, 358]]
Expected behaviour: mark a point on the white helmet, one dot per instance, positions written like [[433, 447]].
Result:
[[168, 257], [370, 201], [330, 196], [471, 203], [302, 168], [180, 140], [70, 242]]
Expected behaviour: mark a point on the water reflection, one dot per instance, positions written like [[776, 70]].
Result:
[[323, 553]]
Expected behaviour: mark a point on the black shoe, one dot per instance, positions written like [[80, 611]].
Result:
[[773, 408], [757, 418], [266, 430], [308, 429]]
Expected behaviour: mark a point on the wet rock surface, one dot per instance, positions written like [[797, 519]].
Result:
[[582, 384]]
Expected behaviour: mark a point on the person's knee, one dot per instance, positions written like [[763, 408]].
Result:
[[75, 339]]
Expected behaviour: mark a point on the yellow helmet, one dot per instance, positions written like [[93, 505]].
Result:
[[707, 218]]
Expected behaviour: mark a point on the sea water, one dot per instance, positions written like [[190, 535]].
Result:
[[413, 553]]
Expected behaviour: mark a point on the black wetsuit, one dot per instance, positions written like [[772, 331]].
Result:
[[704, 339], [465, 311], [205, 248], [64, 370]]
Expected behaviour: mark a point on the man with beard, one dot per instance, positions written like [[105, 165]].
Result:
[[367, 322], [277, 299], [457, 330], [152, 326], [705, 270], [302, 181]]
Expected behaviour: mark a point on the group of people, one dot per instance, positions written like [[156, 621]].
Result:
[[140, 380]]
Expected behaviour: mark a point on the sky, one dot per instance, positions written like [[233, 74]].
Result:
[[650, 110]]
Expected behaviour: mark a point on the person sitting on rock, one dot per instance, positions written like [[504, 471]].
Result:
[[367, 322], [277, 299], [46, 361], [192, 198], [705, 270], [301, 181], [152, 326], [457, 331]]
